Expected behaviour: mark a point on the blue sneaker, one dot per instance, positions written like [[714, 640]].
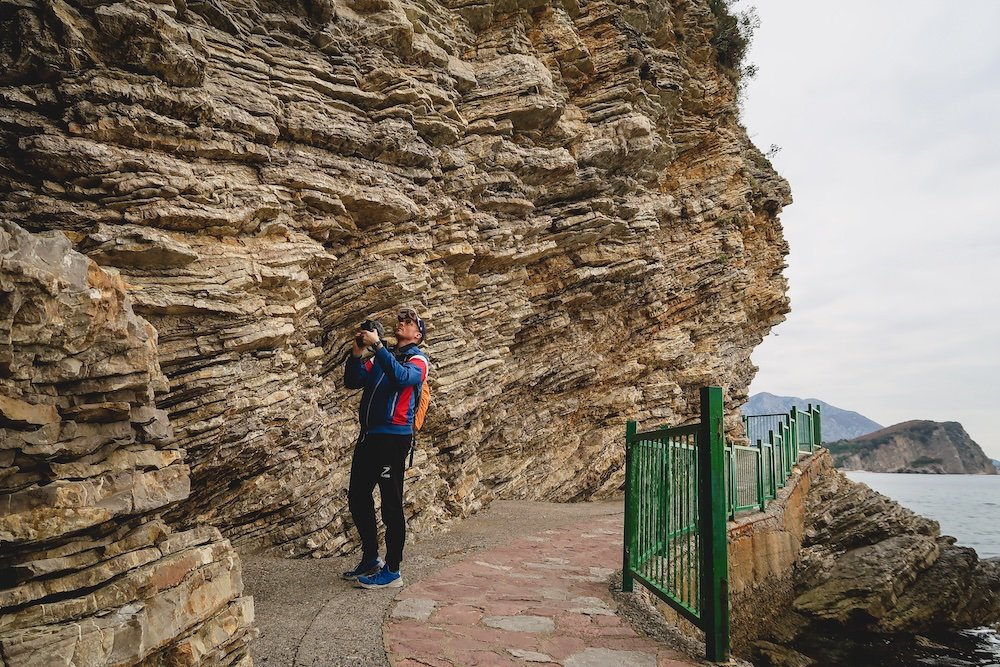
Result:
[[365, 568], [385, 578]]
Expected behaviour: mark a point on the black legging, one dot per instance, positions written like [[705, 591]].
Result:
[[379, 459]]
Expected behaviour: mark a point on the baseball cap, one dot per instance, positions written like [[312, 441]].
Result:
[[408, 313]]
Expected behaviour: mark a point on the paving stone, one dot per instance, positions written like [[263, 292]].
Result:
[[591, 607], [520, 623], [582, 577], [419, 609], [602, 657], [530, 656], [603, 572], [493, 566], [561, 647], [458, 614]]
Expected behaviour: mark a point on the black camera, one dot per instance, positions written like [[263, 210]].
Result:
[[371, 325]]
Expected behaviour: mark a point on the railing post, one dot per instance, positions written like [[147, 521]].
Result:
[[627, 543], [794, 424], [732, 497], [775, 454], [817, 430], [761, 493], [786, 442], [812, 427], [714, 588]]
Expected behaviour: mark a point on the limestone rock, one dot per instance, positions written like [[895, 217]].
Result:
[[563, 189], [865, 582], [769, 654], [915, 447], [871, 569], [89, 573]]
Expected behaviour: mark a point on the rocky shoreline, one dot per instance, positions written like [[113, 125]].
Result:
[[872, 572]]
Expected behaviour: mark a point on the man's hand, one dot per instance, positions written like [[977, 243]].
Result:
[[368, 338]]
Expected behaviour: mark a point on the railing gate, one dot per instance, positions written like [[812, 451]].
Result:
[[675, 520]]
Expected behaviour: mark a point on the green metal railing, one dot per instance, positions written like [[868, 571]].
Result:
[[754, 473], [675, 520], [681, 485]]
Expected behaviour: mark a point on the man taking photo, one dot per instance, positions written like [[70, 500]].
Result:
[[391, 381]]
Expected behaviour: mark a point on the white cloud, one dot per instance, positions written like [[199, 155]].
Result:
[[888, 116]]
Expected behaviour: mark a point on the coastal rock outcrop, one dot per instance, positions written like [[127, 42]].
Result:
[[90, 574], [563, 189], [870, 569], [914, 446]]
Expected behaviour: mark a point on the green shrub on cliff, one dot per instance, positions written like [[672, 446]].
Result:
[[733, 33]]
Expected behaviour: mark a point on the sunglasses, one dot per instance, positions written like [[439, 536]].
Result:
[[407, 315]]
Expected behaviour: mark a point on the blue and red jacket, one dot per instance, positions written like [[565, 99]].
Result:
[[390, 388]]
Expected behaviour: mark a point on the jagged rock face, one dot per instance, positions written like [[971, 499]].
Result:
[[563, 190], [915, 446], [89, 573], [872, 568]]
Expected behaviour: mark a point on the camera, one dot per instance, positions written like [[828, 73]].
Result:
[[371, 325]]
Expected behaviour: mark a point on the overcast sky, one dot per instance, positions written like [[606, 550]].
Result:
[[888, 118]]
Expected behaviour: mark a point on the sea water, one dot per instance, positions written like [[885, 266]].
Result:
[[968, 508]]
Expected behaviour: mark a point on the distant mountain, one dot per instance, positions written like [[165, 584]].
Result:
[[914, 446], [996, 464], [837, 423]]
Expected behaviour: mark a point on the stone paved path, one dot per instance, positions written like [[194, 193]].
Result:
[[541, 600]]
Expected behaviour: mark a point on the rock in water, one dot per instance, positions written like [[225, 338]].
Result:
[[563, 189], [89, 572]]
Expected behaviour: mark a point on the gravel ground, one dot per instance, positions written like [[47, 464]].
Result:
[[308, 615]]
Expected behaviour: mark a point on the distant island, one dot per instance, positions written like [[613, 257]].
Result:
[[838, 424], [915, 446]]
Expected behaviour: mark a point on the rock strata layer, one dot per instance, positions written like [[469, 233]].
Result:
[[870, 570], [562, 188], [89, 572], [915, 447]]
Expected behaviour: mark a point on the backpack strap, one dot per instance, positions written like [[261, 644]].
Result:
[[416, 404]]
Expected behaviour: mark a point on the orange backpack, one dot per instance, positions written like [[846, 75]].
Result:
[[423, 403]]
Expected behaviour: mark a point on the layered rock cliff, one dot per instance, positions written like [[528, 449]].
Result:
[[914, 446], [563, 189], [90, 574]]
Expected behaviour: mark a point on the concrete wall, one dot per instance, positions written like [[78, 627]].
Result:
[[763, 550]]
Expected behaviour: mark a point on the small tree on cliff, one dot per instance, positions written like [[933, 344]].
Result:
[[733, 34]]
